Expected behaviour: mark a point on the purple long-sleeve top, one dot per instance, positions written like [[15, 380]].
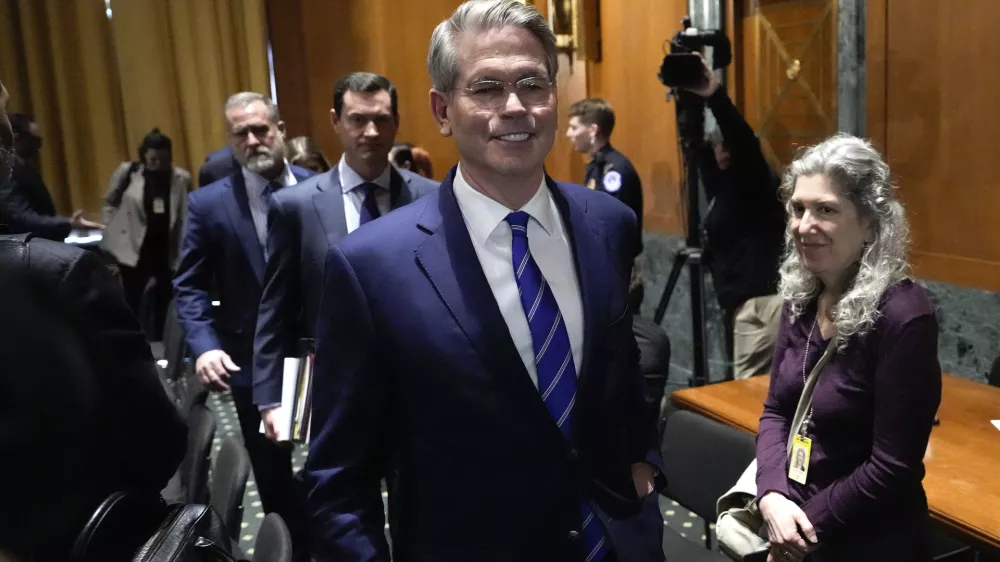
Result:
[[874, 406]]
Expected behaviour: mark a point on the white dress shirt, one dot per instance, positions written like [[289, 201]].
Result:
[[255, 191], [354, 198], [550, 248]]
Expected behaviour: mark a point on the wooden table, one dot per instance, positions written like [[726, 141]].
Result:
[[962, 459]]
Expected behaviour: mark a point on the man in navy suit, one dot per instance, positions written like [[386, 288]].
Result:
[[219, 164], [477, 344], [307, 219], [224, 243]]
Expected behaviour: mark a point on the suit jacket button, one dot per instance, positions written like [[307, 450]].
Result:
[[573, 535], [573, 455]]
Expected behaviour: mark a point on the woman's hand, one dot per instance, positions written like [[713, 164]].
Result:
[[786, 527]]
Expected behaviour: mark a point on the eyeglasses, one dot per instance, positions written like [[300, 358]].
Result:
[[493, 94]]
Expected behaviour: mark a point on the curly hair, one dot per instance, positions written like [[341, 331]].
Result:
[[857, 169]]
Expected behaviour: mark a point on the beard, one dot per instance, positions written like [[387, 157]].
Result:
[[264, 160]]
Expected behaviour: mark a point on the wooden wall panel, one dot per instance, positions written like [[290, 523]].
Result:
[[941, 124], [633, 40], [391, 37], [788, 53]]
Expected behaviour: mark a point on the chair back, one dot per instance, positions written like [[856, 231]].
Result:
[[174, 348], [703, 459], [229, 481], [274, 543], [194, 467], [994, 377]]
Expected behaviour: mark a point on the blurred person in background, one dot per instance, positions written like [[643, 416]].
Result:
[[744, 227], [82, 411], [401, 156], [219, 164], [26, 204], [422, 162], [306, 153], [144, 209], [405, 156], [591, 122]]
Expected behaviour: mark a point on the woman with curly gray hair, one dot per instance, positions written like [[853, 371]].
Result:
[[858, 494]]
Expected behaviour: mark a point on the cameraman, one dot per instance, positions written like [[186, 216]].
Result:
[[744, 229]]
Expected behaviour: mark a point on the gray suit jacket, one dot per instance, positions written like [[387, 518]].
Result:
[[304, 222], [126, 223]]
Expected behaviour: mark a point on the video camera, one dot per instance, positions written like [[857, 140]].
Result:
[[682, 67]]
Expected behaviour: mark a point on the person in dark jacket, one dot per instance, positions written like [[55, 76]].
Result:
[[218, 165], [590, 124], [25, 202], [744, 228], [82, 411]]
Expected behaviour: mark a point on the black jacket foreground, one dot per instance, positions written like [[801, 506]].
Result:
[[26, 206], [746, 222], [82, 411]]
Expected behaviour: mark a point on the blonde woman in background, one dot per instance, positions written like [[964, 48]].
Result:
[[306, 153]]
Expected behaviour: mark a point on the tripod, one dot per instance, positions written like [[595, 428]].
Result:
[[690, 126]]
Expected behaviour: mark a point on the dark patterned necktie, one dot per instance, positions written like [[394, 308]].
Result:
[[369, 208]]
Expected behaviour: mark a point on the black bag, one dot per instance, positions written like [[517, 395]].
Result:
[[142, 528]]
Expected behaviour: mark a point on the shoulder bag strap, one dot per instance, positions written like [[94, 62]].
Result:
[[805, 401]]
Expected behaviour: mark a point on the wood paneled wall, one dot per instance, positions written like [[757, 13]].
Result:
[[633, 39], [316, 41], [932, 109]]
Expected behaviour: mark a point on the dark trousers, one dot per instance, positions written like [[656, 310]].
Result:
[[280, 491]]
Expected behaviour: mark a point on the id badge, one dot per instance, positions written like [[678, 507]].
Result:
[[159, 206], [798, 466]]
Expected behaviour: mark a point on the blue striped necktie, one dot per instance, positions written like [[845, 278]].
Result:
[[553, 359]]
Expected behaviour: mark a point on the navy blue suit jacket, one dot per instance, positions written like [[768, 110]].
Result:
[[217, 166], [220, 247], [417, 378], [305, 220]]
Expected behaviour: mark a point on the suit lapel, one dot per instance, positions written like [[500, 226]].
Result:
[[399, 189], [450, 262], [590, 255], [329, 204], [238, 208]]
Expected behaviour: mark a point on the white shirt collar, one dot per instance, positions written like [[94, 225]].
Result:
[[349, 179], [483, 215], [257, 183]]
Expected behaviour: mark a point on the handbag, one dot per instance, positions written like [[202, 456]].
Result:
[[129, 527], [739, 523]]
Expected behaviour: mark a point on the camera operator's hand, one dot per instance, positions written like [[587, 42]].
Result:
[[709, 85]]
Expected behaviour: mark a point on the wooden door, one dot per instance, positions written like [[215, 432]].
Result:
[[789, 61]]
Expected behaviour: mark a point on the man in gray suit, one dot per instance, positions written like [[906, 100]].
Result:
[[308, 218]]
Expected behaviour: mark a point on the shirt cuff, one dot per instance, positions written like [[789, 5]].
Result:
[[263, 407]]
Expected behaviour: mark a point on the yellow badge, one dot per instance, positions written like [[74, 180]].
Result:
[[591, 183], [159, 206], [798, 465]]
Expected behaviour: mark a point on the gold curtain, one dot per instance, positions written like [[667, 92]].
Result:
[[96, 85]]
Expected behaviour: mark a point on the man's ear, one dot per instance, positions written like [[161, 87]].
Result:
[[439, 108], [281, 128], [334, 119]]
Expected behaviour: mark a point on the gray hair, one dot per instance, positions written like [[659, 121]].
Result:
[[857, 169], [244, 99], [479, 16]]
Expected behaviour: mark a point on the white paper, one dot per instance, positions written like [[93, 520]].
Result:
[[996, 424], [283, 414]]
